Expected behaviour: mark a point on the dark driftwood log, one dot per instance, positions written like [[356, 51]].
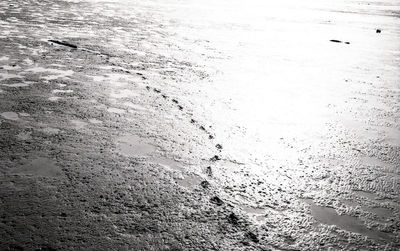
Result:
[[64, 43]]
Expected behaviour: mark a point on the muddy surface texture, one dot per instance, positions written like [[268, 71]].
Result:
[[199, 125]]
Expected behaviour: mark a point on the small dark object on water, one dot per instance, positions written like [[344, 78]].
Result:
[[63, 43], [156, 90], [215, 158], [335, 41], [218, 146], [202, 128], [180, 107], [378, 30], [192, 121], [210, 136], [175, 101], [148, 88], [216, 200], [347, 42], [205, 184]]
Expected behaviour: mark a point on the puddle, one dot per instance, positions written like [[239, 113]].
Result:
[[135, 107], [53, 73], [328, 216], [62, 91], [17, 85], [134, 146], [5, 76], [124, 94], [170, 164], [4, 58], [95, 121], [384, 213], [10, 67], [257, 214], [50, 130], [253, 210], [54, 99], [115, 78], [78, 124], [191, 181], [99, 78], [10, 115], [350, 203], [24, 114], [40, 167], [365, 194], [371, 161], [381, 212], [116, 110], [392, 136]]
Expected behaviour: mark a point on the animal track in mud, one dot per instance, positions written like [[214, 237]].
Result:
[[141, 74], [215, 158], [216, 200], [209, 171], [205, 184], [253, 237], [180, 107]]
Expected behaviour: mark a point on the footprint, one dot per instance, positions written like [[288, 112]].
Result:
[[215, 158], [216, 200]]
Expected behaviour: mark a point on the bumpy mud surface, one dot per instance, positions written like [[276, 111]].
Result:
[[172, 125]]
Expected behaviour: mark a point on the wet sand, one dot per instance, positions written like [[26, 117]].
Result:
[[179, 125]]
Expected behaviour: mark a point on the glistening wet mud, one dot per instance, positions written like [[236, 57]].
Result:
[[185, 125]]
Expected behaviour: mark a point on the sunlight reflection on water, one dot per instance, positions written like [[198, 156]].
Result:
[[278, 93]]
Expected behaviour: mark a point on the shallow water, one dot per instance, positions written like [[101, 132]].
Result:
[[134, 146], [40, 167], [329, 216], [10, 115]]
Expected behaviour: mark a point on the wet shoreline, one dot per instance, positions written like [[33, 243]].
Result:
[[179, 125]]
